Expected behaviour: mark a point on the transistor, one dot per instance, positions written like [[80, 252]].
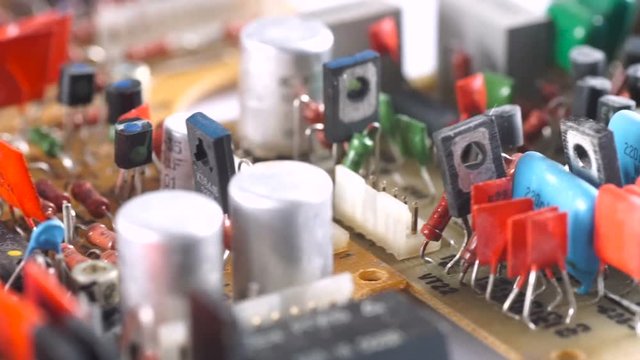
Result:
[[587, 61], [633, 82], [212, 157], [509, 122], [586, 94], [76, 84], [351, 88], [608, 105], [122, 96], [468, 152], [625, 126], [590, 151], [133, 150]]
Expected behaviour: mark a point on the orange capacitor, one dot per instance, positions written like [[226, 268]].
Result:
[[44, 289], [16, 185], [100, 236], [490, 221], [440, 217], [519, 229], [48, 191], [97, 205], [616, 233], [19, 319], [71, 256], [491, 191], [383, 37], [471, 96], [110, 256]]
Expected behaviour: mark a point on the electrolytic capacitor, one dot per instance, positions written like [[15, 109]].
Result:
[[509, 122], [587, 61], [170, 244], [633, 82], [122, 96], [281, 59], [98, 235], [608, 105], [587, 92], [48, 191], [76, 84], [264, 197], [97, 205], [177, 170], [99, 281]]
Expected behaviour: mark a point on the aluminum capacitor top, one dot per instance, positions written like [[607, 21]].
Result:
[[281, 213], [282, 58]]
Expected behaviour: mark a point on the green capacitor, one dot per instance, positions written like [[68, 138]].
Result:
[[360, 148], [412, 139], [49, 144], [387, 115], [499, 89], [619, 16]]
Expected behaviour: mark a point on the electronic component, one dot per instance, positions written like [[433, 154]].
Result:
[[134, 70], [98, 235], [471, 96], [122, 96], [177, 169], [47, 236], [98, 280], [631, 51], [212, 157], [12, 249], [590, 151], [76, 84], [16, 185], [282, 59], [360, 149], [351, 89], [500, 89], [437, 222], [468, 152], [608, 105], [48, 208], [587, 92], [133, 143], [43, 139], [170, 244], [358, 329], [97, 205], [587, 61], [509, 122], [72, 257], [48, 191], [633, 82], [261, 199], [625, 126], [549, 184]]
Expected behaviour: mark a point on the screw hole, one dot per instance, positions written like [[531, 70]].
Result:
[[357, 88], [568, 354], [584, 160], [372, 275]]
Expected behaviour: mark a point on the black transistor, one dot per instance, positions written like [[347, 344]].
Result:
[[122, 96], [351, 90], [587, 92], [509, 122], [590, 151], [468, 152], [608, 105], [631, 50], [633, 82], [133, 150], [76, 84], [587, 61], [212, 156]]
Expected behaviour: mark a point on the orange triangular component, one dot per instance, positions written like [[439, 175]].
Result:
[[383, 37], [16, 185], [141, 111], [44, 289], [19, 319]]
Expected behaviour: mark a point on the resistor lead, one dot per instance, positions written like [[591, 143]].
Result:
[[97, 205], [48, 191], [98, 235]]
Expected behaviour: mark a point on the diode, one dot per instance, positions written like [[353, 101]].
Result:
[[133, 150], [97, 205]]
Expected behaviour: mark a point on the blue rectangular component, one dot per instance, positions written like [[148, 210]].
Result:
[[549, 184], [625, 125]]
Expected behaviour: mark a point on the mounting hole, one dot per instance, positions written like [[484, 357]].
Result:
[[357, 88], [473, 155], [584, 160], [568, 354], [372, 275]]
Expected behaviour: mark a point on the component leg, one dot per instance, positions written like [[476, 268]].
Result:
[[474, 274], [467, 235], [570, 297], [517, 285], [487, 293], [528, 300], [558, 291]]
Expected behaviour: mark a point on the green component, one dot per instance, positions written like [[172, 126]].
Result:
[[387, 115], [412, 139], [499, 89], [44, 140], [360, 148], [619, 16]]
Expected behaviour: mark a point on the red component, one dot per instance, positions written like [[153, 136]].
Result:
[[16, 185], [141, 111], [92, 116], [384, 38], [71, 256], [490, 221], [97, 205], [98, 235], [469, 255], [149, 50], [157, 138], [48, 208], [616, 233], [110, 256], [461, 64], [439, 219], [519, 229], [19, 319], [547, 240], [549, 90], [44, 289], [491, 191], [510, 164], [227, 232], [471, 96], [533, 124], [48, 191]]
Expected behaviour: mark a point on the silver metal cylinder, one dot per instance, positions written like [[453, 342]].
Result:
[[282, 59], [99, 281], [177, 170], [281, 212], [169, 244]]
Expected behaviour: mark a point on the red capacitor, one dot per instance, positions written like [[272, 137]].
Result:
[[440, 217], [461, 64], [97, 205], [491, 191], [471, 96], [19, 319], [98, 235], [490, 221], [110, 256], [547, 240], [383, 37], [71, 256], [44, 289], [48, 191], [616, 233]]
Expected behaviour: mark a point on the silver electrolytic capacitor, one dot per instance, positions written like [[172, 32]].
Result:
[[169, 245], [177, 170], [282, 59], [281, 213]]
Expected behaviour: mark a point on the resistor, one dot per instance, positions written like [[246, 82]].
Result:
[[533, 125], [71, 256], [97, 205], [48, 208], [110, 256], [439, 219], [98, 235], [48, 191]]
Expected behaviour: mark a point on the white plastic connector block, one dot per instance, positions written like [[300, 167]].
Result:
[[377, 215], [340, 238]]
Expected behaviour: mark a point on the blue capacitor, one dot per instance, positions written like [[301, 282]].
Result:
[[625, 125], [48, 235], [549, 184]]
